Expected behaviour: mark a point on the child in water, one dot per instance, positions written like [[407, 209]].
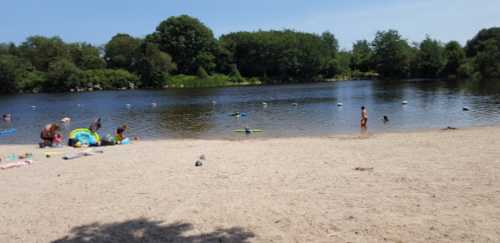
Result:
[[364, 117]]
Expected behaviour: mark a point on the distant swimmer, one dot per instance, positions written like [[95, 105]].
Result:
[[364, 117], [386, 119], [248, 131], [7, 117]]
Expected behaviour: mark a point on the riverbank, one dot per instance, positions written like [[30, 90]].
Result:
[[435, 186]]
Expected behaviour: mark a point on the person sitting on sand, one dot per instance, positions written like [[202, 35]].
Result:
[[364, 117], [120, 134], [50, 135], [95, 125]]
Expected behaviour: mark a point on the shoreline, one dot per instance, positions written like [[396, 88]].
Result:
[[325, 136], [432, 186]]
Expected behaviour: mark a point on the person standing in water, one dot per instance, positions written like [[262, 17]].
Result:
[[364, 117]]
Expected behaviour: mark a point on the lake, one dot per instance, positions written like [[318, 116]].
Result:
[[205, 113]]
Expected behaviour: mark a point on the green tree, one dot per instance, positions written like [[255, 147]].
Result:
[[455, 57], [62, 75], [153, 65], [281, 56], [362, 55], [430, 59], [484, 50], [120, 51], [9, 70], [188, 41], [391, 54], [42, 51], [86, 56]]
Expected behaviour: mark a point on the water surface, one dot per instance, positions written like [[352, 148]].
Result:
[[204, 113]]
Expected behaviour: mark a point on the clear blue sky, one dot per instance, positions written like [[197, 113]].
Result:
[[96, 21]]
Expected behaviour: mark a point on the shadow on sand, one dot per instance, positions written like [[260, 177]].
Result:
[[144, 230]]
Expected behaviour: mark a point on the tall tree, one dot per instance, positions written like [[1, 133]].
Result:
[[42, 51], [391, 54], [362, 55], [190, 43], [430, 58], [120, 51], [62, 75], [86, 56], [484, 49], [455, 56], [9, 70], [153, 65]]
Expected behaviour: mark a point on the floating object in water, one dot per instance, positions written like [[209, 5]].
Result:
[[386, 119], [465, 108], [66, 120], [264, 104], [79, 105], [238, 114], [128, 105], [83, 136], [340, 104], [7, 117], [214, 102], [404, 102], [295, 104], [8, 132], [251, 130], [154, 104], [33, 107]]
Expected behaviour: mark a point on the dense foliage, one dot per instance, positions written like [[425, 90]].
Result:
[[183, 52]]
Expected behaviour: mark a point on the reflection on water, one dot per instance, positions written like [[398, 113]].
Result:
[[205, 113]]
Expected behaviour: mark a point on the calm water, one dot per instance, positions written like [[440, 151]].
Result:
[[192, 114]]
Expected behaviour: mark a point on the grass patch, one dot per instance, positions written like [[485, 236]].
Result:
[[216, 80]]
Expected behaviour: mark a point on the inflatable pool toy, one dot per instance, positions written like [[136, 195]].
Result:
[[125, 141], [85, 136], [8, 132]]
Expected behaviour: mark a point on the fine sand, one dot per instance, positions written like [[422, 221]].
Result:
[[434, 186]]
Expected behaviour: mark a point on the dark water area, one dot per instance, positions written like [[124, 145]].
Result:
[[205, 113]]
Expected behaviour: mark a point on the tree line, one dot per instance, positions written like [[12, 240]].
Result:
[[183, 52]]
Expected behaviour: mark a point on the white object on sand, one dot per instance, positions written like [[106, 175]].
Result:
[[16, 164]]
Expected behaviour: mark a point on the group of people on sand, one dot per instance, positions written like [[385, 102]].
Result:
[[51, 135]]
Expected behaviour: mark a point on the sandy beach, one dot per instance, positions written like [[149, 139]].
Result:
[[432, 186]]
